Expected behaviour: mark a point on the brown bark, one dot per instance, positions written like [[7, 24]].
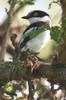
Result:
[[54, 73], [62, 51]]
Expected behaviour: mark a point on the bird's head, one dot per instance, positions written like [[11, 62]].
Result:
[[38, 15]]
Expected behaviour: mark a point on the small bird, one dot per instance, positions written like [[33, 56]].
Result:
[[37, 19]]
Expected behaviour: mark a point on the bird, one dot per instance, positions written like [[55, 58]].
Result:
[[37, 19]]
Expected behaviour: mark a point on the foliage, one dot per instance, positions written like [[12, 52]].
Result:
[[8, 86], [9, 64], [56, 34], [23, 2]]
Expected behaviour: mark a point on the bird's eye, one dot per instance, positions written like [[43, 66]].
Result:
[[35, 14]]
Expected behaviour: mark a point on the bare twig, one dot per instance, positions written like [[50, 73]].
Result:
[[57, 2], [30, 96]]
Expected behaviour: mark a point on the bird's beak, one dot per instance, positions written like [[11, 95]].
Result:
[[25, 17]]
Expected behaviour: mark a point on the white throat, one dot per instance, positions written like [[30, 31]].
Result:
[[44, 19]]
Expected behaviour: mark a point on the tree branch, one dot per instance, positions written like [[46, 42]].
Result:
[[57, 2], [54, 73], [7, 27]]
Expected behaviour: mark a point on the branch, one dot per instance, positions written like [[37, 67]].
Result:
[[57, 2], [7, 26], [22, 4], [54, 73]]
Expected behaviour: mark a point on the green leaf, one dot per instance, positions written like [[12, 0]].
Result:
[[24, 2], [30, 2], [38, 88], [56, 34], [34, 33], [8, 86]]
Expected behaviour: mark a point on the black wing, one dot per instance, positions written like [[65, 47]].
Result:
[[23, 43]]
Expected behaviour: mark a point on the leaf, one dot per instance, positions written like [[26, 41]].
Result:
[[24, 2], [8, 86], [30, 2], [56, 34], [35, 33], [38, 88]]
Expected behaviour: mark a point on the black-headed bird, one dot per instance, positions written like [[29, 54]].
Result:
[[30, 41]]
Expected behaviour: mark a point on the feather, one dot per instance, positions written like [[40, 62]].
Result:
[[27, 41]]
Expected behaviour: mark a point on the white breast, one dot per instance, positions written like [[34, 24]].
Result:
[[37, 43]]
